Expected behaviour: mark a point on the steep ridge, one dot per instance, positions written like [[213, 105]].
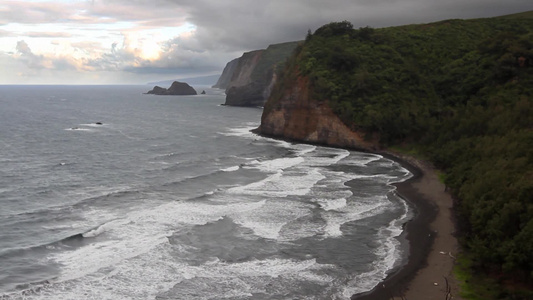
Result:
[[225, 79], [457, 91], [242, 90], [248, 80]]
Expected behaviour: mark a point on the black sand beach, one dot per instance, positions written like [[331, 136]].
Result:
[[428, 233]]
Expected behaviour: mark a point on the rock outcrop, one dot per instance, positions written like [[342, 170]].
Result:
[[297, 116], [253, 74], [176, 89]]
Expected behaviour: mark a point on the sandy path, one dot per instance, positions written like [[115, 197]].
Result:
[[429, 282], [430, 234]]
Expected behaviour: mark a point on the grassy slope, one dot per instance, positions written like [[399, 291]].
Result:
[[459, 91], [522, 15]]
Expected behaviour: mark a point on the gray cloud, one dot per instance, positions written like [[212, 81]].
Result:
[[224, 29], [33, 61], [23, 48], [238, 24]]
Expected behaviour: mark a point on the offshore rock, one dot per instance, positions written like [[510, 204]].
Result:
[[176, 89]]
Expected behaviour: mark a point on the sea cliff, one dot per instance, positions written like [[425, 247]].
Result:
[[248, 80], [457, 92], [297, 115], [225, 79]]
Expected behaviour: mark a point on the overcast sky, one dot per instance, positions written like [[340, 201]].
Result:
[[137, 41]]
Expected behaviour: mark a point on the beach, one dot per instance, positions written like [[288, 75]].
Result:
[[428, 272]]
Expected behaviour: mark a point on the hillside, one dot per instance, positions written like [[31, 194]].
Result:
[[459, 92]]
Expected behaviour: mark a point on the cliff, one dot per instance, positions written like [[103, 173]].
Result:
[[458, 92], [225, 79], [298, 116], [176, 89], [253, 75]]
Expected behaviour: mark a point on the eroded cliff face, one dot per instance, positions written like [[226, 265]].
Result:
[[242, 75], [242, 90], [225, 79], [253, 75], [295, 115]]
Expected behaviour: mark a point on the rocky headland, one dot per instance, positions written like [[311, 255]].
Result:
[[296, 115], [467, 109], [248, 80]]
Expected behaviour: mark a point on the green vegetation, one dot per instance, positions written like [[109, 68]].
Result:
[[522, 15], [271, 57], [461, 93]]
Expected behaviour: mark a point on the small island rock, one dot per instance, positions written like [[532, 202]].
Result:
[[177, 88]]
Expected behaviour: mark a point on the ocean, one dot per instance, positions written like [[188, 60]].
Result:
[[107, 193]]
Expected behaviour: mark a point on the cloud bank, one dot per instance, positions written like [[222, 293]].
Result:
[[134, 41]]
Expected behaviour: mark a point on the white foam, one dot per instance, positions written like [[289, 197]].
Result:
[[281, 184], [272, 217], [230, 169], [303, 149], [104, 227], [388, 254], [136, 260], [322, 157], [352, 212], [361, 159], [139, 232], [240, 131], [331, 204], [149, 275], [275, 165]]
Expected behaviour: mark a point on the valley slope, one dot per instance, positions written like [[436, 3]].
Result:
[[458, 92]]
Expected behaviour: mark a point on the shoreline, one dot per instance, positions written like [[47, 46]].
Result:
[[427, 272]]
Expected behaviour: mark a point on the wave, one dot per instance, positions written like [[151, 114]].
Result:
[[281, 184], [67, 242], [72, 240], [363, 160], [95, 232], [230, 169], [240, 131], [389, 255], [274, 165]]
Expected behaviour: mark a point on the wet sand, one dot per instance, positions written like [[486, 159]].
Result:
[[433, 245]]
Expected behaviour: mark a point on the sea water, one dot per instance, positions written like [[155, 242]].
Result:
[[107, 193]]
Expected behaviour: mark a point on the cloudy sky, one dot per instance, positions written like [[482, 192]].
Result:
[[137, 41]]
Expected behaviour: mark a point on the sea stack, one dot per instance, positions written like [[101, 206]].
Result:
[[176, 89]]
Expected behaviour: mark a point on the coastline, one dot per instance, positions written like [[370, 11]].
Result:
[[427, 273]]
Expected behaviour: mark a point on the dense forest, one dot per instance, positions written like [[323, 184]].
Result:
[[460, 92]]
